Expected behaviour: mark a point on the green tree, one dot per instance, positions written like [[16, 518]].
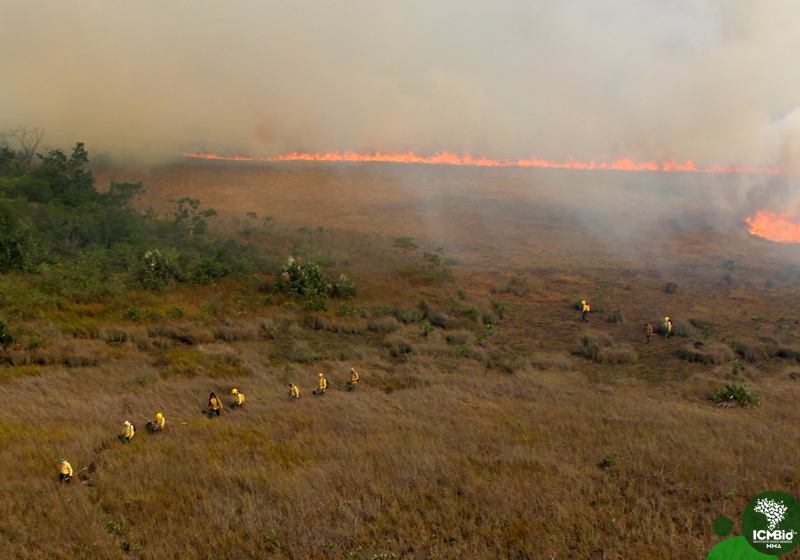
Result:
[[70, 182], [405, 245], [188, 215]]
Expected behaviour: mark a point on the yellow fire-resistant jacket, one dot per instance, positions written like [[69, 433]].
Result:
[[161, 422], [128, 431], [353, 376], [214, 403], [323, 384], [66, 468], [585, 308], [294, 391], [239, 399]]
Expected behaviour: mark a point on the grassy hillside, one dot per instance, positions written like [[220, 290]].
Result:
[[489, 422]]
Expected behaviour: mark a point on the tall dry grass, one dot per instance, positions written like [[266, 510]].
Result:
[[456, 465]]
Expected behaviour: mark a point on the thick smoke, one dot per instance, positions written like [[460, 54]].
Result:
[[710, 81]]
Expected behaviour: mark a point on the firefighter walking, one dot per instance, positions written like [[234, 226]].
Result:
[[321, 385], [353, 380], [239, 396]]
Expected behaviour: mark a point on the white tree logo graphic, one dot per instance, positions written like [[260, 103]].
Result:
[[772, 509]]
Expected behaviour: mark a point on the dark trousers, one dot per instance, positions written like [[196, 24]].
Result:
[[63, 477], [584, 317]]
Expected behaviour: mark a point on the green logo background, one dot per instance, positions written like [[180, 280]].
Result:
[[753, 521]]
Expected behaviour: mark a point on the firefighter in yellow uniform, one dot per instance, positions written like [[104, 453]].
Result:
[[160, 423], [353, 379], [321, 386], [65, 471], [585, 308], [667, 326], [214, 405], [128, 433], [294, 392], [239, 398]]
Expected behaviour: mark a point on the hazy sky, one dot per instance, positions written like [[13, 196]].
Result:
[[711, 81]]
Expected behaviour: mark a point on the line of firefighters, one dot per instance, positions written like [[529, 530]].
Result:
[[215, 404], [666, 324], [214, 409]]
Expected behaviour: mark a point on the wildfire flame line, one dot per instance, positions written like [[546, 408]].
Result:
[[776, 227], [447, 158]]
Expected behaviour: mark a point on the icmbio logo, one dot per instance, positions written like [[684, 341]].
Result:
[[771, 523]]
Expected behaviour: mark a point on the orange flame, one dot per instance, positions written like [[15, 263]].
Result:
[[452, 159], [776, 227]]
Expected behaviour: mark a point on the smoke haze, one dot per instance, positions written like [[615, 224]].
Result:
[[710, 81]]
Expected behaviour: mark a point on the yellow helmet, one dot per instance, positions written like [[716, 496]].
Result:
[[583, 301], [234, 392], [159, 416], [666, 318]]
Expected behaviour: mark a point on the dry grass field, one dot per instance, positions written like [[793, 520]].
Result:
[[489, 422]]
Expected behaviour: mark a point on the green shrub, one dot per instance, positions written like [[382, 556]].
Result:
[[734, 394], [157, 270], [301, 279], [208, 271], [609, 459], [343, 287], [6, 336], [472, 313], [316, 303]]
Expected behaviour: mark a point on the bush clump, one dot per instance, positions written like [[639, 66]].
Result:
[[397, 346], [600, 347], [383, 324], [157, 270], [306, 280], [711, 353], [735, 394], [753, 350]]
